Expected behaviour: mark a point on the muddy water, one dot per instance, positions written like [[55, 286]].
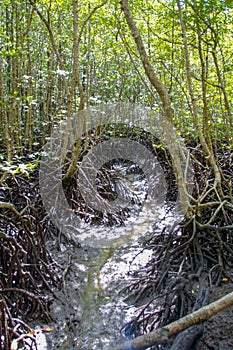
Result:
[[92, 307], [106, 310], [91, 310]]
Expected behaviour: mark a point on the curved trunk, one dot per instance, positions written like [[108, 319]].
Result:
[[166, 124]]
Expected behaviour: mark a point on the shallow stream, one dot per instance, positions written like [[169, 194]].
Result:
[[92, 307]]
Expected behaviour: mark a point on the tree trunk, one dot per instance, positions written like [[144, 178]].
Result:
[[149, 70], [162, 335], [166, 123], [204, 144]]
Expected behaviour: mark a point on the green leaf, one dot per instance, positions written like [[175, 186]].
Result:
[[229, 3]]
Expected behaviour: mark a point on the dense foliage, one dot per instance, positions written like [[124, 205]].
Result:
[[56, 53]]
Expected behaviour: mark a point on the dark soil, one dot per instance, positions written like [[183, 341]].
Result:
[[218, 334]]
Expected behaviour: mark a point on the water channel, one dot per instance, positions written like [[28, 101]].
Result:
[[92, 307]]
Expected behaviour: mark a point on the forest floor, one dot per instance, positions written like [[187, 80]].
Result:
[[218, 334], [25, 227]]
